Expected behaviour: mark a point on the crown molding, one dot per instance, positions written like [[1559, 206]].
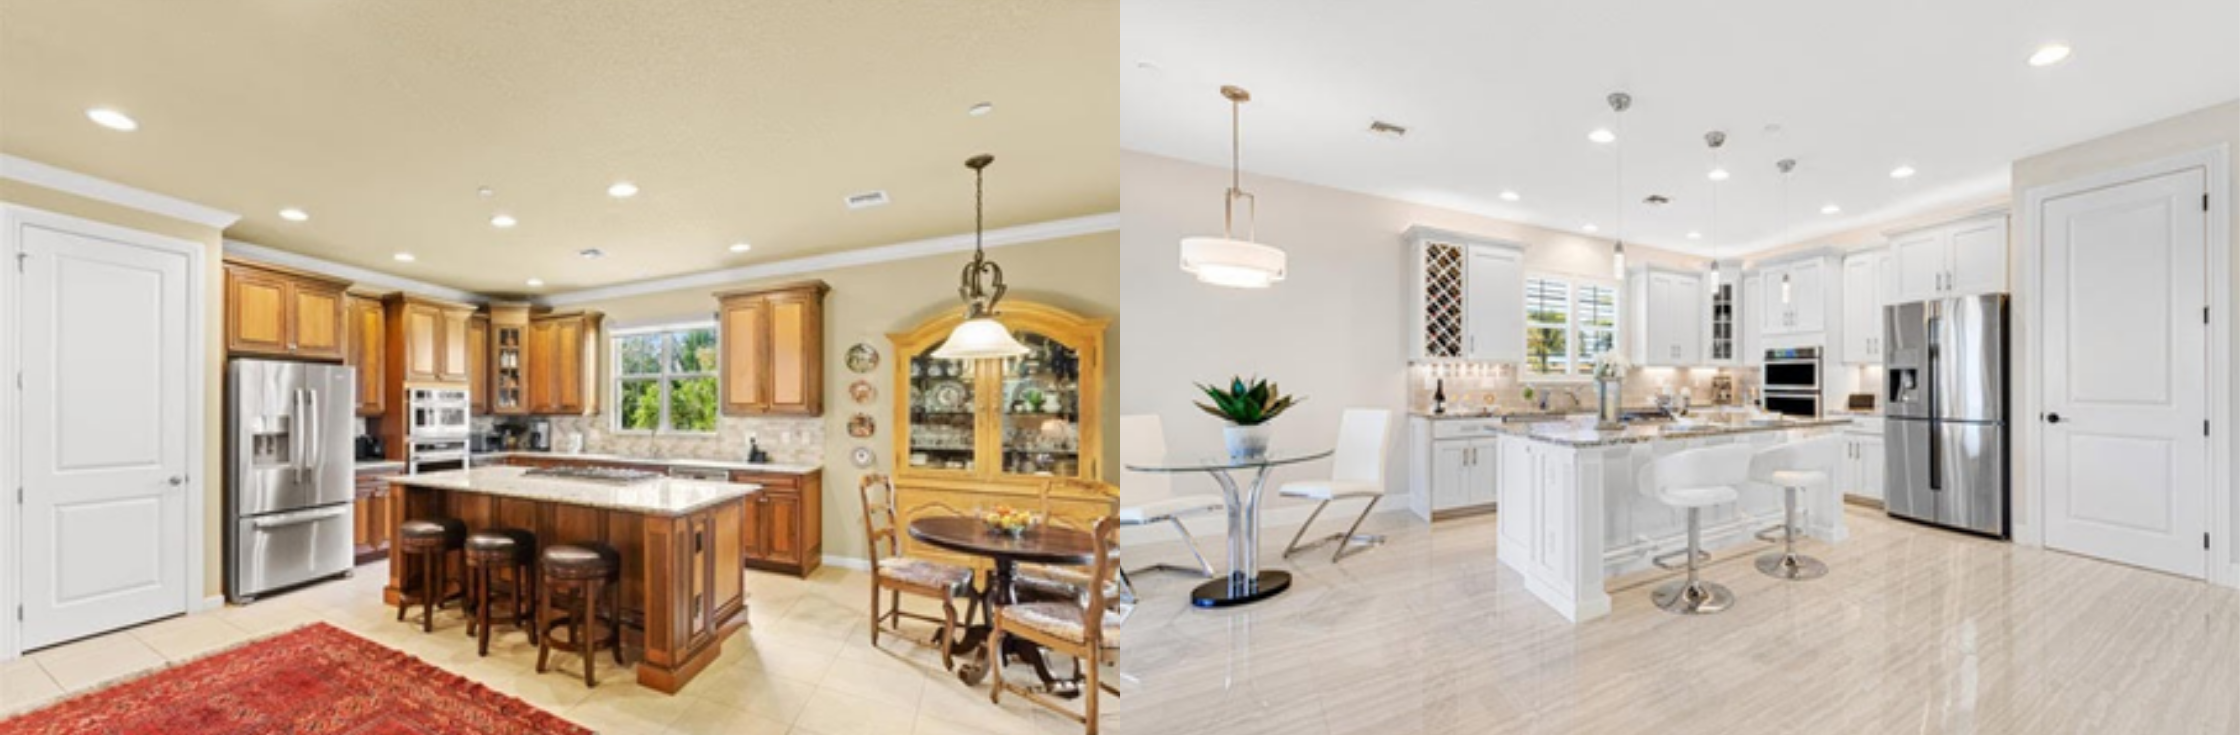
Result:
[[355, 275], [1020, 235], [71, 182]]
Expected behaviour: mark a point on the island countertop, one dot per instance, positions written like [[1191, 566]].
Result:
[[659, 496], [1582, 432]]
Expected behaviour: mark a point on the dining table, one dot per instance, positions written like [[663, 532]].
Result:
[[1039, 544], [1246, 582]]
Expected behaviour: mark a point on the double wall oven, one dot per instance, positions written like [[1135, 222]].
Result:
[[1792, 381], [438, 425]]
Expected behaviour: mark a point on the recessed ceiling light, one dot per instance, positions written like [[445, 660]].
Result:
[[535, 282], [1901, 172], [1509, 196], [1695, 235], [112, 119], [1602, 135], [1718, 174], [404, 257], [622, 190], [503, 221], [2050, 54], [1830, 209], [591, 253], [980, 109], [293, 214], [485, 192], [1590, 227], [741, 247]]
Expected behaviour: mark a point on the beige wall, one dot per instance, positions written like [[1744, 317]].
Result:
[[1332, 332], [2194, 131], [868, 302], [213, 467]]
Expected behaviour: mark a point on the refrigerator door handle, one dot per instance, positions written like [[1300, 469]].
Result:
[[300, 517], [296, 419], [1936, 451], [311, 408]]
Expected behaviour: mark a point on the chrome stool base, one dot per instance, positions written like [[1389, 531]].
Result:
[[1696, 598], [1790, 566]]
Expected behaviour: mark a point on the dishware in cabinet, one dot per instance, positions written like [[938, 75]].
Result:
[[1019, 420]]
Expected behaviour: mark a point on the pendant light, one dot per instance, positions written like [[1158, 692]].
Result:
[[1785, 165], [980, 336], [1225, 260], [1619, 103], [1715, 139]]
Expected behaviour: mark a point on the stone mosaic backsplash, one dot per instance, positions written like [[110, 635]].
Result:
[[788, 440], [1473, 387]]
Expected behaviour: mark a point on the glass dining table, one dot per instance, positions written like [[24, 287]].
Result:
[[1245, 583]]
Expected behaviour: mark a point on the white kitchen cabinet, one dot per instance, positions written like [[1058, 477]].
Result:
[[1860, 473], [1666, 319], [1752, 300], [1962, 258], [1454, 466], [1795, 293], [1723, 325], [1862, 307], [1466, 297]]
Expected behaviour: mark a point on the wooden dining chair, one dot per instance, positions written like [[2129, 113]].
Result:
[[1053, 583], [896, 575], [1088, 631]]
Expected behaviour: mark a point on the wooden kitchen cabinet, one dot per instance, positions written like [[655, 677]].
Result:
[[773, 350], [563, 363], [783, 526], [281, 312], [478, 365], [429, 338], [370, 536], [508, 355], [368, 342]]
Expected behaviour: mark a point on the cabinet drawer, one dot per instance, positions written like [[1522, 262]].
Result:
[[1465, 428]]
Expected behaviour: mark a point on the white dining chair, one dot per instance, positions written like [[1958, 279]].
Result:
[[1356, 471], [1692, 480], [1148, 498], [1794, 467]]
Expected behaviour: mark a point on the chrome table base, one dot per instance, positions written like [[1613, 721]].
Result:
[[1692, 597]]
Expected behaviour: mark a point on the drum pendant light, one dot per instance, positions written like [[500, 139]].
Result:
[[980, 336], [1225, 260]]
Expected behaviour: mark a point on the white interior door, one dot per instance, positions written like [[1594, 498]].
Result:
[[2126, 463], [104, 350]]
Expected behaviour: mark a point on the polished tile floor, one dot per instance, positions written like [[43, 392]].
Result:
[[1915, 630], [805, 667]]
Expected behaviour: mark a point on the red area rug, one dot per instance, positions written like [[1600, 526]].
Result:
[[314, 680]]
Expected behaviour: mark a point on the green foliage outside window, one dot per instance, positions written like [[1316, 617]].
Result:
[[665, 381]]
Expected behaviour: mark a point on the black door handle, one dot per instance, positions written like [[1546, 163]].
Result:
[[2053, 418]]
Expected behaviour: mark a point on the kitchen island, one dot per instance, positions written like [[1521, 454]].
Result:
[[682, 580], [1572, 517]]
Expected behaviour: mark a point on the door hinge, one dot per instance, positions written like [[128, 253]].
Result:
[[2204, 540], [2204, 428], [2204, 202], [20, 257]]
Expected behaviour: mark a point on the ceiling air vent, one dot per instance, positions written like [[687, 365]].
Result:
[[1384, 129], [867, 200]]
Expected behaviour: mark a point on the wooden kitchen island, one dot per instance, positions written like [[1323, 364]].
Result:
[[682, 581]]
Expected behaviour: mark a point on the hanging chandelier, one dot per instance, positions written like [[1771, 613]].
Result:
[[980, 336], [1225, 260]]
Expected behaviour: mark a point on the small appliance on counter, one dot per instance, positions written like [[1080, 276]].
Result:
[[486, 441], [1859, 403], [370, 448], [540, 436], [1722, 390]]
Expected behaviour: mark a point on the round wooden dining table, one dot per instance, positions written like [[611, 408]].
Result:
[[1042, 544]]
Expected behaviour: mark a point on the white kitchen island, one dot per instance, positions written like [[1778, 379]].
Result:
[[1572, 517]]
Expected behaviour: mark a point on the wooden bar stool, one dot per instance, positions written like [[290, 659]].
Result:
[[489, 552], [584, 570], [430, 541]]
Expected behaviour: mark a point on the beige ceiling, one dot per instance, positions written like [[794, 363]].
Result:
[[738, 121]]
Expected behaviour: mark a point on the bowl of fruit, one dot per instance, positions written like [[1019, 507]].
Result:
[[1008, 521]]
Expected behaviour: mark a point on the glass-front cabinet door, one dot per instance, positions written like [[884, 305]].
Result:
[[1022, 420]]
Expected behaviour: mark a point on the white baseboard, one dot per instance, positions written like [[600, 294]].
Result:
[[212, 602], [847, 562]]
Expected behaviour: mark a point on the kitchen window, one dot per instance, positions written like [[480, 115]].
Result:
[[665, 380], [1568, 322]]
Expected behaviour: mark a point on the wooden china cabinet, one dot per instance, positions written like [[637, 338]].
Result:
[[973, 435]]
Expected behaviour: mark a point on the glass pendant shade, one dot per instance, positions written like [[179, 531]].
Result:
[[1618, 261], [1222, 261], [981, 338]]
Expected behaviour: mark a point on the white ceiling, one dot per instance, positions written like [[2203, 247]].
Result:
[[1501, 95]]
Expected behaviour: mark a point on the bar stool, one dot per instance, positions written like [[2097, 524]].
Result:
[[584, 569], [431, 542], [488, 551], [1793, 467], [1695, 479]]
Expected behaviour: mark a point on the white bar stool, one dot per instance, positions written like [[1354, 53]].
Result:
[[1794, 467], [1148, 497], [1357, 471], [1695, 479]]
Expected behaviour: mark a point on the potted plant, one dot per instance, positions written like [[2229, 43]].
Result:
[[1248, 408]]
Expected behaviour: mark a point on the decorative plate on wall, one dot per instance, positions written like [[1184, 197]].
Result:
[[863, 357], [863, 392], [862, 426], [863, 457]]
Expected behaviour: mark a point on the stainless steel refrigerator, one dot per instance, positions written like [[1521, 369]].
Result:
[[1945, 426], [289, 467]]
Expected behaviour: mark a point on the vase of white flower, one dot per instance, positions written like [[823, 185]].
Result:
[[1609, 389]]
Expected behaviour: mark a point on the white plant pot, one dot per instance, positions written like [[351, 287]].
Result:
[[1247, 442]]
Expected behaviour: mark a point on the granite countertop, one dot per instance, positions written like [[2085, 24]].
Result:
[[1582, 433], [1534, 413], [713, 464], [373, 465], [660, 496]]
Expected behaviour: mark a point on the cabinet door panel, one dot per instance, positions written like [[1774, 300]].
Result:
[[568, 363], [317, 321], [1450, 475], [1920, 264], [792, 349], [539, 375], [1494, 321], [754, 527], [784, 542], [1752, 302], [369, 346], [1809, 296], [423, 327], [478, 365], [453, 346], [744, 350], [1861, 304], [1979, 258], [1775, 301], [256, 312]]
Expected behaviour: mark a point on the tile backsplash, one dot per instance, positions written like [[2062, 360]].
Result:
[[788, 440], [1471, 387]]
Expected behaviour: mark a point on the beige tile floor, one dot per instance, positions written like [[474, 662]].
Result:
[[1915, 630], [805, 666]]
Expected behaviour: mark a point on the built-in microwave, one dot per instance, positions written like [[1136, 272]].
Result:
[[432, 412], [1794, 369]]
